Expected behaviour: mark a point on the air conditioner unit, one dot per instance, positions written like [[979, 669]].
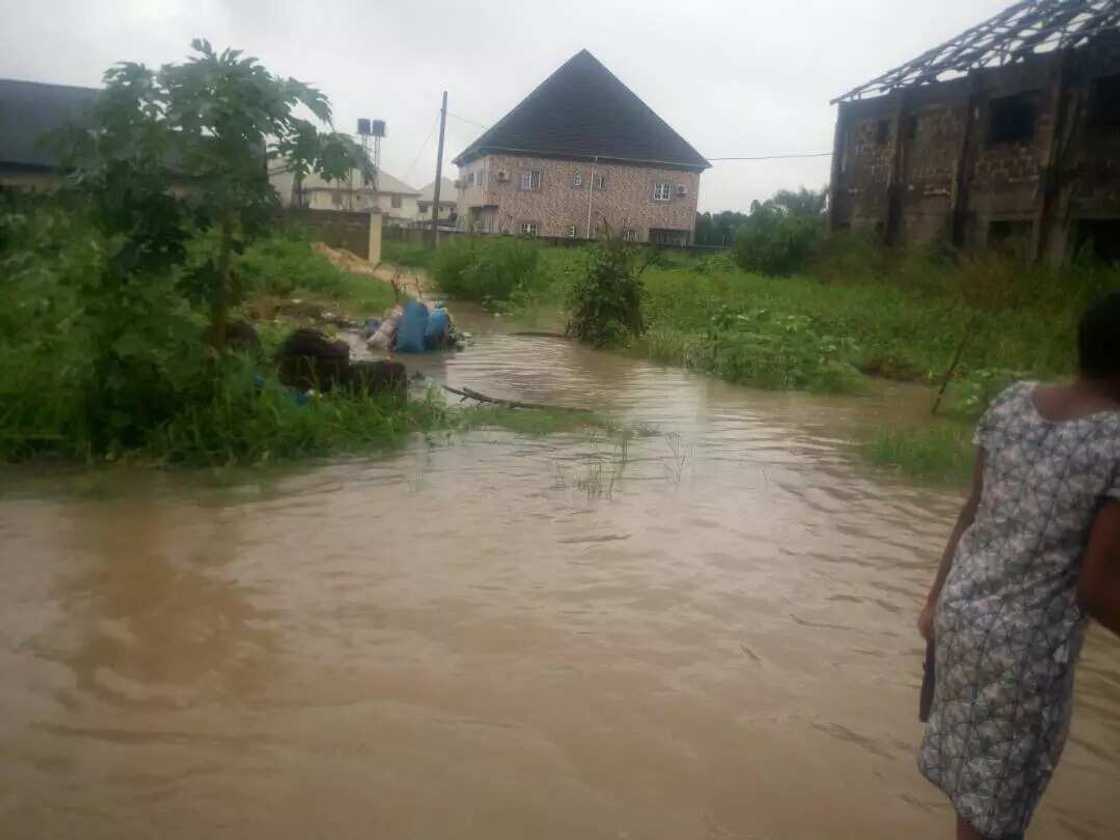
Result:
[[682, 190], [503, 175]]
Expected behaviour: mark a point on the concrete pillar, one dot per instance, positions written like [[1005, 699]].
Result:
[[374, 238]]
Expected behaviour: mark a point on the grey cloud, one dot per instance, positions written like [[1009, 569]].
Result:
[[733, 78]]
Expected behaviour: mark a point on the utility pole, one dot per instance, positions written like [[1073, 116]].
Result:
[[439, 173]]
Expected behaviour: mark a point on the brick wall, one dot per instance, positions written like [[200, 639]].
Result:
[[337, 228], [922, 131], [625, 201]]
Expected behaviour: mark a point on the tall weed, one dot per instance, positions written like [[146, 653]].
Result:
[[486, 270]]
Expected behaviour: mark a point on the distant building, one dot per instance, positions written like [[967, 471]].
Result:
[[580, 152], [394, 199], [448, 201], [1008, 136], [28, 112]]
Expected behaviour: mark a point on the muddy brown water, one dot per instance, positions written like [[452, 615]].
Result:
[[707, 633]]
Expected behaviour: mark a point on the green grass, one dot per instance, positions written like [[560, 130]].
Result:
[[286, 266], [406, 254], [255, 419], [531, 422], [941, 453]]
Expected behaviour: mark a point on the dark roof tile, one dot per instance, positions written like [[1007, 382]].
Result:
[[29, 110], [583, 111]]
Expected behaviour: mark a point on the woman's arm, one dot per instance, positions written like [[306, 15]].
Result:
[[964, 522], [1098, 587]]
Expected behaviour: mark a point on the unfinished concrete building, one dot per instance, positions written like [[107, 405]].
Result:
[[1006, 137]]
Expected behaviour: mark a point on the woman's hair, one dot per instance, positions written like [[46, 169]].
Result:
[[1098, 338]]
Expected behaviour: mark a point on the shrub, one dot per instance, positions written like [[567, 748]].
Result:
[[776, 243], [605, 304], [406, 253], [487, 270], [281, 264]]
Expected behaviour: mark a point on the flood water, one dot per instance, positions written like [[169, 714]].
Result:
[[707, 633]]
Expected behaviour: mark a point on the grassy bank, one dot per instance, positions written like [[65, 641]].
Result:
[[289, 267]]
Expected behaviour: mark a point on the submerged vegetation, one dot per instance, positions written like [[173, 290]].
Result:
[[818, 314]]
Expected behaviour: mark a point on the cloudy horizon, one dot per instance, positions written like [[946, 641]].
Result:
[[732, 79]]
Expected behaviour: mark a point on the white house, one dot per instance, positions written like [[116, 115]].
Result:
[[448, 200], [394, 199]]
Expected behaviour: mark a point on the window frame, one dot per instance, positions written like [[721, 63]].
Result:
[[534, 176], [577, 180], [531, 229], [599, 182], [396, 201], [573, 231], [663, 191]]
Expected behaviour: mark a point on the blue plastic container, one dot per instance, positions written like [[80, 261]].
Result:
[[413, 327], [439, 322]]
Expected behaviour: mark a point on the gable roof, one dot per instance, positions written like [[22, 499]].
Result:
[[386, 183], [583, 111], [1019, 31], [447, 192], [28, 110]]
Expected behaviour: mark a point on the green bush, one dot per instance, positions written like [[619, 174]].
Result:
[[605, 304], [774, 242], [406, 254], [248, 417], [487, 270]]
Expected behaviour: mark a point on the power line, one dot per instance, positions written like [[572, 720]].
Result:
[[776, 157], [423, 146], [471, 122]]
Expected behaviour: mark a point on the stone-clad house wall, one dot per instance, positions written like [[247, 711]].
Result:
[[624, 201]]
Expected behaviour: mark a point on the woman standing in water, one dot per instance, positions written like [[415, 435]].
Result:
[[1035, 553]]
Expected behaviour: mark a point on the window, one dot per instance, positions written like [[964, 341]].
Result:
[[661, 236], [882, 132], [1011, 119], [577, 180], [571, 231], [531, 180], [600, 182], [662, 192], [481, 179], [529, 228], [1106, 103], [470, 179], [629, 234], [395, 201]]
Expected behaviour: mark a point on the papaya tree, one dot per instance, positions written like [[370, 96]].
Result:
[[187, 148]]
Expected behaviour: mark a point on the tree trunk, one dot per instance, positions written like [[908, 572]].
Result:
[[219, 304]]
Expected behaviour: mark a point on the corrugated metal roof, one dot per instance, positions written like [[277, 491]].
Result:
[[1021, 30]]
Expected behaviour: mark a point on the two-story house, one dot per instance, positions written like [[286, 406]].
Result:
[[579, 154], [448, 202], [396, 200]]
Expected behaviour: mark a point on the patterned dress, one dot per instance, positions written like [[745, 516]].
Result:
[[1008, 627]]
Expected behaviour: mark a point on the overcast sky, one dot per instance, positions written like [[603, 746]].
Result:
[[734, 78]]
